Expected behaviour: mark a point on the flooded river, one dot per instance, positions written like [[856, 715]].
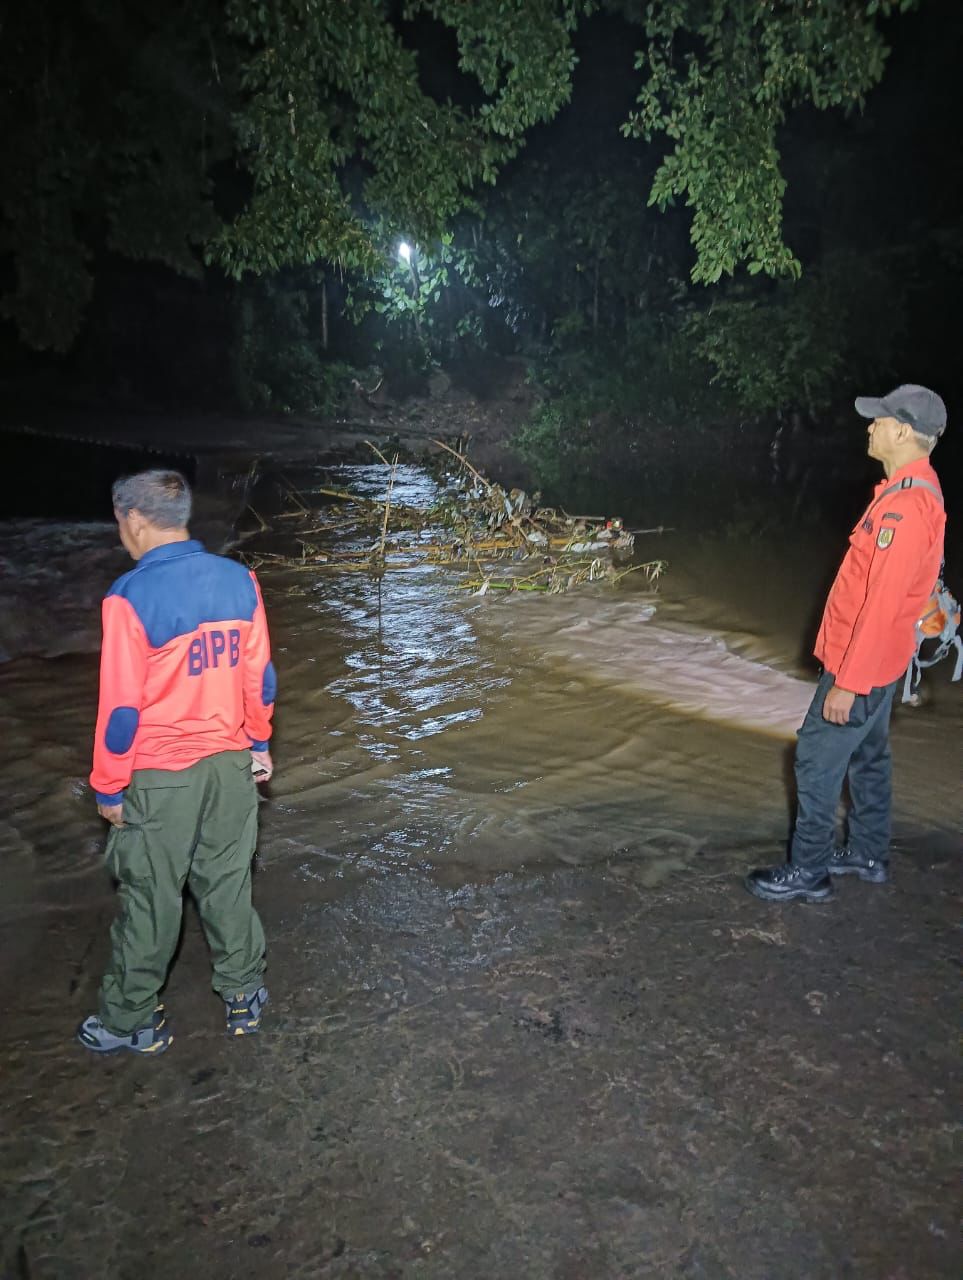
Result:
[[524, 1020], [421, 726]]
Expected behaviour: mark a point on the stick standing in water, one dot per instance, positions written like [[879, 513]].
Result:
[[187, 691], [865, 641]]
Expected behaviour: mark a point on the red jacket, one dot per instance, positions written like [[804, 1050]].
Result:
[[867, 634], [185, 667]]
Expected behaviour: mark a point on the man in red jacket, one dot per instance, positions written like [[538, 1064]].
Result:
[[865, 642], [187, 691]]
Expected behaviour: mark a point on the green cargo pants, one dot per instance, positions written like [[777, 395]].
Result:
[[196, 826]]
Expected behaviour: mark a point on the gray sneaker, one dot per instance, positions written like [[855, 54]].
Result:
[[843, 862], [153, 1039]]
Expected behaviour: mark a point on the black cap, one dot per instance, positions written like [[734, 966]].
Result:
[[921, 408]]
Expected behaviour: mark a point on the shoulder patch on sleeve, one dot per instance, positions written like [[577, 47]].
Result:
[[884, 538], [892, 515]]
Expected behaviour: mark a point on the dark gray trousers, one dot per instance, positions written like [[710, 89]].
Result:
[[825, 754]]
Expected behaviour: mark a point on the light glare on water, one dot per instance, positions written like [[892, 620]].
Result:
[[419, 726]]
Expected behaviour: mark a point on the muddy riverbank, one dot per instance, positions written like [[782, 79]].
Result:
[[567, 1075], [525, 1022]]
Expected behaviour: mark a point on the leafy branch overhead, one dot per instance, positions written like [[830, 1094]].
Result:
[[719, 77], [335, 127], [274, 133]]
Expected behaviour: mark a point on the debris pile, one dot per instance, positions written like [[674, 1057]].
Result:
[[497, 540]]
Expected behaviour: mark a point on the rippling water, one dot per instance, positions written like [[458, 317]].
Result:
[[420, 726]]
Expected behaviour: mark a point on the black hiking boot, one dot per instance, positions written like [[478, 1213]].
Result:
[[843, 862], [787, 883]]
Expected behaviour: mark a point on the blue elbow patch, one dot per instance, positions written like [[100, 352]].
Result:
[[121, 728], [269, 685]]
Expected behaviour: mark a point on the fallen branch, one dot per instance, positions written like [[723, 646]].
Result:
[[471, 530]]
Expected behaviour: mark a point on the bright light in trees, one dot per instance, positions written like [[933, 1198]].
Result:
[[404, 251]]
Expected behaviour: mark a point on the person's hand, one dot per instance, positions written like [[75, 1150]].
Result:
[[263, 765], [114, 813], [838, 705]]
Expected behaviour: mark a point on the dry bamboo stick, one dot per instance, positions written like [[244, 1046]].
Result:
[[653, 567], [375, 449], [265, 527], [293, 493], [384, 525], [345, 495], [465, 463], [512, 584]]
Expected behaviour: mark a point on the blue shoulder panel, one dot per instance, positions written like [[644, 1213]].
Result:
[[176, 593]]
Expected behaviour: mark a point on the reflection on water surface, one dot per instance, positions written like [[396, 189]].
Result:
[[418, 726]]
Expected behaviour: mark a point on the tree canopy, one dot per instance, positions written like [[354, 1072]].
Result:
[[111, 123], [335, 100], [310, 131]]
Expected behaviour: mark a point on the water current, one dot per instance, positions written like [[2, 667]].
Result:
[[646, 730]]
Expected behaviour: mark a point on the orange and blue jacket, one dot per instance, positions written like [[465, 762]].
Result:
[[868, 630], [185, 667]]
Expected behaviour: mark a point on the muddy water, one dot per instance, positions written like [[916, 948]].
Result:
[[420, 726], [524, 1022]]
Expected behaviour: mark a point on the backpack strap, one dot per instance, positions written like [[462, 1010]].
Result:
[[911, 680], [915, 668]]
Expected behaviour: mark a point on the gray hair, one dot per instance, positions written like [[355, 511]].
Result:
[[162, 497], [926, 442]]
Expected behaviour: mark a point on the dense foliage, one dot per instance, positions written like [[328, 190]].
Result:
[[336, 129], [307, 132], [336, 125], [111, 125], [719, 79], [245, 200]]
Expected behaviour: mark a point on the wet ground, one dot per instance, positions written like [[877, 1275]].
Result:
[[525, 1022]]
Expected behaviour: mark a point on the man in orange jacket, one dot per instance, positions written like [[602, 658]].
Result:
[[865, 641], [187, 691]]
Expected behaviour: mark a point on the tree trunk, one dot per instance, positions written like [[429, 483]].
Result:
[[416, 287], [595, 299], [324, 313]]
